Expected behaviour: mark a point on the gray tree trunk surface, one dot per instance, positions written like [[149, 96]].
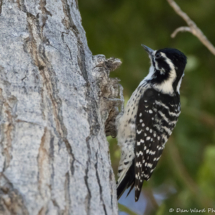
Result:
[[57, 104]]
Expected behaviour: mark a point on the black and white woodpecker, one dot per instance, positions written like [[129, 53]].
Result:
[[149, 119]]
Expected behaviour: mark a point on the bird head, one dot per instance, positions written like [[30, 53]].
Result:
[[167, 69]]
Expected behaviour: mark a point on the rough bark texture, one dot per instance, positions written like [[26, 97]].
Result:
[[57, 103]]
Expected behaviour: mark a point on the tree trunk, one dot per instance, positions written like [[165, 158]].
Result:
[[57, 104]]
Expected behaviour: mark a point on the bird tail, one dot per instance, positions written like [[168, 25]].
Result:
[[126, 180]]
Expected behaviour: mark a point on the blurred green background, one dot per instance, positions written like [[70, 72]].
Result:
[[185, 175]]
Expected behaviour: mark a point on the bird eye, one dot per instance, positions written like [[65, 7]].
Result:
[[158, 55]]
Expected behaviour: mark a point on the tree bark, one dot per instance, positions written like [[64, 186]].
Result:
[[57, 104]]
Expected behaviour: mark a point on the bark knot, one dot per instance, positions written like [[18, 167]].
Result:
[[110, 91]]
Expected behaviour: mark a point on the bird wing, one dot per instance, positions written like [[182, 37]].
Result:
[[148, 146]]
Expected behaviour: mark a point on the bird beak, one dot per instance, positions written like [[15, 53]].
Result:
[[148, 50]]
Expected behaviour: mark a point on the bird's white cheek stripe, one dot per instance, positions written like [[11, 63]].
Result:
[[167, 86], [172, 67]]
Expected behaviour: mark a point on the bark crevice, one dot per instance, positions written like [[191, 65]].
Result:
[[45, 13], [21, 5], [49, 78], [43, 163], [69, 24], [99, 183], [11, 201], [67, 194], [7, 130], [89, 196]]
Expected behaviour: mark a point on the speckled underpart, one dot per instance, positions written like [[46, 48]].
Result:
[[144, 131], [127, 131]]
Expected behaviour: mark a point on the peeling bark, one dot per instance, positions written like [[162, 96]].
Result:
[[57, 105]]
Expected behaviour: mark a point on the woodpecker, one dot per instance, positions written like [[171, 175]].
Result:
[[149, 119]]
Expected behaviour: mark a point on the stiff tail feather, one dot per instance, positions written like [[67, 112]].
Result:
[[126, 181]]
